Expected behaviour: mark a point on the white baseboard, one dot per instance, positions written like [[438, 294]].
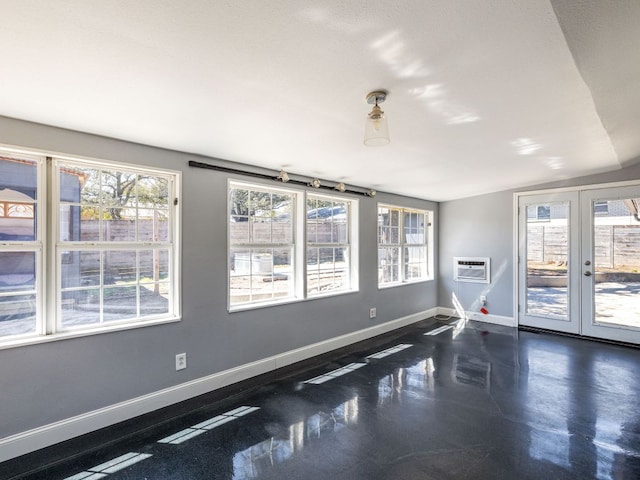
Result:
[[47, 435], [480, 317]]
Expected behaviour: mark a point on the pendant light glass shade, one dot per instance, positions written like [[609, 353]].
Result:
[[376, 129]]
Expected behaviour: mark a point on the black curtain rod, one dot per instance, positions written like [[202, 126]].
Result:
[[266, 176]]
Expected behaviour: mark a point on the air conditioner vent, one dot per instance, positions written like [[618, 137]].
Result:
[[471, 269]]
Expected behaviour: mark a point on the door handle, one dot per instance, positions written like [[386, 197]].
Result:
[[587, 273]]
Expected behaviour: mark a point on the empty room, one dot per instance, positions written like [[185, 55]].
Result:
[[319, 240]]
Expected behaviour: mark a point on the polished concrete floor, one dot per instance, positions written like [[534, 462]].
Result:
[[462, 401]]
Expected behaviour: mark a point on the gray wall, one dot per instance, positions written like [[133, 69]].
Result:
[[483, 226], [478, 227], [48, 382]]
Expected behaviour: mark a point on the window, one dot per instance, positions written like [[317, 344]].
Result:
[[328, 252], [404, 245], [21, 248], [112, 245], [267, 262], [262, 244]]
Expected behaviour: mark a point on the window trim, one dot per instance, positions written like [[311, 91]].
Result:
[[428, 244], [48, 273], [298, 215], [296, 234], [351, 245]]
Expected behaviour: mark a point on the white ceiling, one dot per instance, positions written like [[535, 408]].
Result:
[[484, 96]]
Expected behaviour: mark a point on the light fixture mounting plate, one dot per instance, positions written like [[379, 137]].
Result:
[[377, 96]]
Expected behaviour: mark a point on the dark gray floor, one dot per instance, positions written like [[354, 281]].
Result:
[[471, 402]]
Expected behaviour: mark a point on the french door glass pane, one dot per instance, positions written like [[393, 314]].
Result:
[[547, 260], [617, 261]]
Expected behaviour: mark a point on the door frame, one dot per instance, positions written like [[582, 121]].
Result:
[[570, 324], [579, 189]]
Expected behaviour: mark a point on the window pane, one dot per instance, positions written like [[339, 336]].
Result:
[[153, 225], [326, 258], [153, 192], [118, 191], [89, 224], [390, 236], [327, 269], [120, 303], [414, 228], [80, 268], [119, 225], [238, 229], [154, 265], [260, 230], [261, 288], [339, 232], [17, 271], [260, 204], [415, 262], [282, 272], [154, 298], [282, 231], [312, 231], [547, 245], [80, 185], [388, 264], [17, 314], [80, 307], [260, 274], [313, 257], [17, 293], [18, 193], [394, 218], [119, 266], [239, 202], [69, 224]]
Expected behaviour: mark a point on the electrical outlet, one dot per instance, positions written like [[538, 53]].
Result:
[[483, 299], [181, 361], [372, 312]]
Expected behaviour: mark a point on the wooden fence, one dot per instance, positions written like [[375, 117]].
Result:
[[616, 246]]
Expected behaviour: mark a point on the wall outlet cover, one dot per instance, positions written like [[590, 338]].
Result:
[[181, 361]]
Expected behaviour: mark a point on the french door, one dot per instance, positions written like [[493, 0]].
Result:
[[579, 262]]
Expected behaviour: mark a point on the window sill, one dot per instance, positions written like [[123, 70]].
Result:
[[402, 284], [256, 306]]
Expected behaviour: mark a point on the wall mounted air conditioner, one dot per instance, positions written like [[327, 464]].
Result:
[[472, 269]]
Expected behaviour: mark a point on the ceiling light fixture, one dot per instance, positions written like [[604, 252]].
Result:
[[376, 130], [341, 187], [315, 183]]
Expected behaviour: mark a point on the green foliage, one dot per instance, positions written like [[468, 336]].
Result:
[[113, 192]]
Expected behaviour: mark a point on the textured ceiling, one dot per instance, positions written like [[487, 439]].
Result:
[[484, 96]]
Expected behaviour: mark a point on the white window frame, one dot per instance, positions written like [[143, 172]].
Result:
[[351, 207], [402, 244], [37, 246], [48, 246], [299, 246], [296, 288]]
